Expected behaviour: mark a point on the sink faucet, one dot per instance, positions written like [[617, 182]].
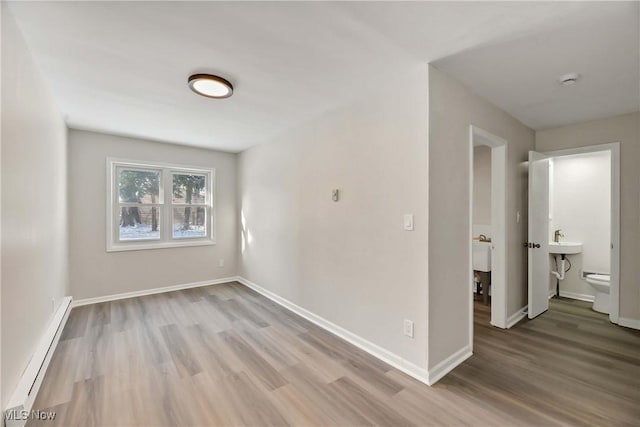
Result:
[[557, 235]]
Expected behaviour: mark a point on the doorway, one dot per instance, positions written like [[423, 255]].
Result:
[[539, 220], [496, 230]]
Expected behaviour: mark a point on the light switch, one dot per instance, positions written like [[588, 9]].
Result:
[[408, 222]]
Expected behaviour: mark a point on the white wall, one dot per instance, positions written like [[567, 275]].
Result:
[[482, 185], [452, 109], [93, 271], [349, 262], [34, 206], [626, 130], [581, 208]]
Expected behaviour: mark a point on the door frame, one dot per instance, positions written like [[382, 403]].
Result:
[[614, 148], [498, 226]]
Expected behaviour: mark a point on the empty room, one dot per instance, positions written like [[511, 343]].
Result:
[[320, 213]]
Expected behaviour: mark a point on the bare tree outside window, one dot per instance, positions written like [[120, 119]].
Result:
[[189, 199], [138, 188]]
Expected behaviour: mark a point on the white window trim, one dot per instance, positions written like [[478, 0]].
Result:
[[166, 234]]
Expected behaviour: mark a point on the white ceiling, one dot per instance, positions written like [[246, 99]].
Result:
[[121, 67], [522, 75]]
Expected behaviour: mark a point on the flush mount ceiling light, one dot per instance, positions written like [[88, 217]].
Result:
[[210, 86], [569, 79]]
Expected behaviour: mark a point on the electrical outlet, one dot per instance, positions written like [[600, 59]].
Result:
[[221, 262], [408, 328]]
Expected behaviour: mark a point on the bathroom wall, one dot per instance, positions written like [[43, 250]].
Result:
[[481, 187], [624, 129], [580, 206]]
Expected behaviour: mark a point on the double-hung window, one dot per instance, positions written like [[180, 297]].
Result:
[[154, 205]]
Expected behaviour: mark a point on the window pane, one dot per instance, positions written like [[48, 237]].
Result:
[[189, 188], [139, 223], [189, 221], [138, 186]]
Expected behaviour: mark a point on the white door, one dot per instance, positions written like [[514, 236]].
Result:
[[538, 244]]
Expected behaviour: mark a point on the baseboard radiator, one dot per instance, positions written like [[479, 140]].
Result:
[[18, 411]]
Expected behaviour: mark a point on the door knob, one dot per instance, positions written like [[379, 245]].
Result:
[[537, 245]]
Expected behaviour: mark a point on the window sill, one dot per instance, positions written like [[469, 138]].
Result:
[[163, 245]]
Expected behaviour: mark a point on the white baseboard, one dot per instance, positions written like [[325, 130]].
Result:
[[573, 295], [517, 316], [447, 365], [125, 295], [375, 350], [629, 323], [29, 384]]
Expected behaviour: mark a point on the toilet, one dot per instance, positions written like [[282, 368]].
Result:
[[600, 283]]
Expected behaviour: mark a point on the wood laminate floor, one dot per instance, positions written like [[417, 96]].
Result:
[[224, 355]]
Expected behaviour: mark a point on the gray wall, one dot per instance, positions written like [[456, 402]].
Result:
[[350, 262], [452, 108], [626, 130], [93, 271], [34, 206], [482, 185]]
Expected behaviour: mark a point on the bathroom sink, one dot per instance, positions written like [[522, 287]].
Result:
[[565, 248], [482, 256]]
